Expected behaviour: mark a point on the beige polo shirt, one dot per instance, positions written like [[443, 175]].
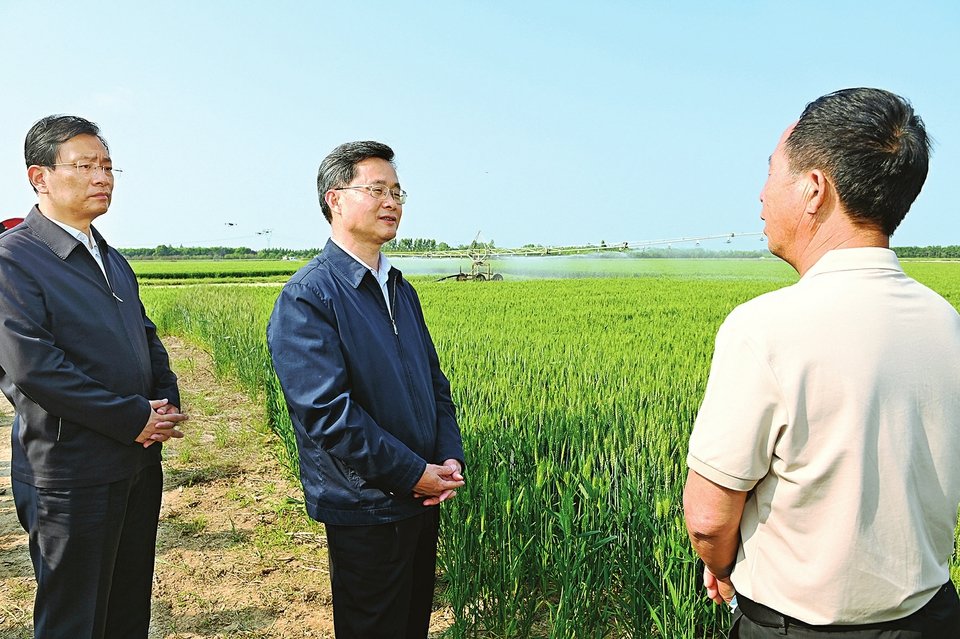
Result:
[[836, 401]]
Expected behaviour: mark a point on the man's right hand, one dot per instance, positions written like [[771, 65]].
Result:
[[160, 425], [718, 590], [438, 483]]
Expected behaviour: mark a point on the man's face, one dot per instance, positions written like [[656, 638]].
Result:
[[70, 194], [366, 219], [782, 202]]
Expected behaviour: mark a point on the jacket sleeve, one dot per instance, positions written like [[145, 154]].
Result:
[[308, 358], [164, 379], [40, 370]]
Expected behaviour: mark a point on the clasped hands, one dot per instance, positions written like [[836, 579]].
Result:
[[161, 425], [439, 483]]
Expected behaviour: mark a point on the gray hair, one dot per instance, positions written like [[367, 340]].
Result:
[[340, 167], [46, 136]]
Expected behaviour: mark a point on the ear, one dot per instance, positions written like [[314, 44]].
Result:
[[815, 191], [332, 198], [38, 178]]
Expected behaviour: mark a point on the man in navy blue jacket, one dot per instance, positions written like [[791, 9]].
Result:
[[93, 392], [376, 429]]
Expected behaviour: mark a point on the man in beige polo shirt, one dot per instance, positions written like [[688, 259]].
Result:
[[825, 460]]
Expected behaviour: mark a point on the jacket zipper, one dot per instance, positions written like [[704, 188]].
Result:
[[403, 360], [109, 283], [393, 303], [143, 376]]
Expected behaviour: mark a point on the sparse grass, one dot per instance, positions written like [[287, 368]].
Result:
[[235, 535], [271, 489], [199, 404], [186, 527], [222, 435], [242, 497], [19, 588], [195, 475], [287, 529], [16, 611], [187, 366], [183, 451]]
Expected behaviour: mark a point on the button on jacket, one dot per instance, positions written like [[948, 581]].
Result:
[[79, 359], [369, 404]]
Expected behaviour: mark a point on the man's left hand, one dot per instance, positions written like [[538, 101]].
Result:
[[453, 473], [161, 431]]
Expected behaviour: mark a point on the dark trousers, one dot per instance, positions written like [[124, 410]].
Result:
[[382, 577], [92, 550], [938, 619]]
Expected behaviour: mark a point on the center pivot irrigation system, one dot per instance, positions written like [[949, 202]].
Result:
[[480, 254]]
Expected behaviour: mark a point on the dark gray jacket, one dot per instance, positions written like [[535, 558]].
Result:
[[369, 404], [78, 360]]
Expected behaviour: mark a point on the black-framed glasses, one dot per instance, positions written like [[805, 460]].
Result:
[[89, 168], [378, 191]]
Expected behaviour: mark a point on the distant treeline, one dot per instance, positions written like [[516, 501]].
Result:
[[425, 245], [949, 252], [166, 252], [414, 245], [422, 245]]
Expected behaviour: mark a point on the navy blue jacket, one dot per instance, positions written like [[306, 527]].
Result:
[[79, 359], [369, 404]]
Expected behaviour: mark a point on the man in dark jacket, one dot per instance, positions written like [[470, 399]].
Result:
[[379, 444], [92, 389]]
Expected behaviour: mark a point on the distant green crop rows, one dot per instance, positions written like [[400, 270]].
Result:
[[576, 398], [207, 269]]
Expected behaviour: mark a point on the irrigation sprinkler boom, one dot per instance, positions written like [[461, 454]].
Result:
[[480, 253]]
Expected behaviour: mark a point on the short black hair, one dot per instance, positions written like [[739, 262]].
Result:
[[340, 167], [47, 135], [871, 145]]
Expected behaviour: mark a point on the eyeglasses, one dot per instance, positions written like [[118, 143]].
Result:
[[378, 191], [86, 168]]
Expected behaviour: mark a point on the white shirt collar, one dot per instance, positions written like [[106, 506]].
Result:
[[381, 274], [89, 242], [849, 259]]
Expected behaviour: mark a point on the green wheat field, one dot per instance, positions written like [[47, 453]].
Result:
[[576, 397]]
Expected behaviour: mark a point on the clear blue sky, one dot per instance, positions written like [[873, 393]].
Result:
[[536, 122]]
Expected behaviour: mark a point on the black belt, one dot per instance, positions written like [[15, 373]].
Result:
[[770, 618]]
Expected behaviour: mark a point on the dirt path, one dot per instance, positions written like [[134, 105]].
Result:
[[236, 555]]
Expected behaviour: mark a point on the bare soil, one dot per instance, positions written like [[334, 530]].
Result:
[[236, 556]]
